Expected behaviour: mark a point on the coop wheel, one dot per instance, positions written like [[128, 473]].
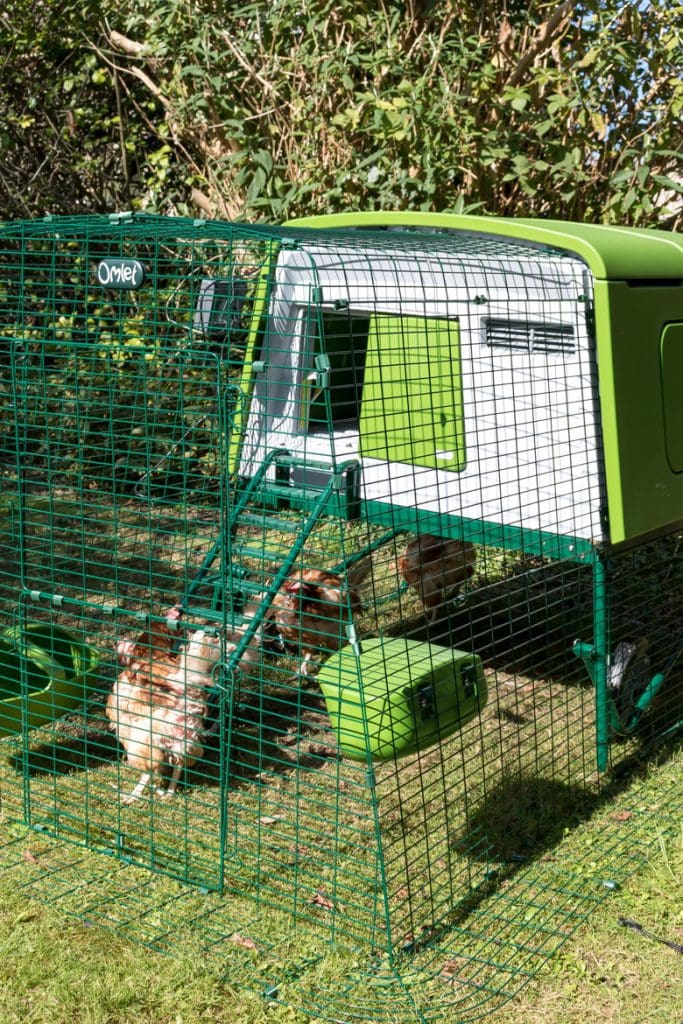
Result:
[[629, 676]]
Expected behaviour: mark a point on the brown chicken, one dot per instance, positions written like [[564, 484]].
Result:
[[157, 642], [313, 608], [436, 568], [158, 704]]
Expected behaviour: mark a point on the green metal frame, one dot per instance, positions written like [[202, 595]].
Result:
[[389, 812]]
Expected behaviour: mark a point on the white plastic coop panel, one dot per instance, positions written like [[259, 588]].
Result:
[[530, 416]]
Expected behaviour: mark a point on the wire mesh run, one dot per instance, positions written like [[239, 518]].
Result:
[[307, 599]]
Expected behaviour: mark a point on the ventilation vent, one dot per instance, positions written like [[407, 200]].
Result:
[[525, 336]]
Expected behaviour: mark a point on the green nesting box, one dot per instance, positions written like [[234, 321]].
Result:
[[400, 696]]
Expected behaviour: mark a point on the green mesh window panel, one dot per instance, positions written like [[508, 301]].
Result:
[[412, 396]]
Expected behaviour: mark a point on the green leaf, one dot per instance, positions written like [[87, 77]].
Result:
[[589, 58], [521, 163], [556, 102], [544, 127], [520, 101], [619, 177], [663, 179], [642, 173], [628, 200], [257, 184], [264, 160]]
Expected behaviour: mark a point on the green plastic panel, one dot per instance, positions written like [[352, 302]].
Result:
[[259, 324], [409, 417], [400, 696], [644, 490], [672, 393]]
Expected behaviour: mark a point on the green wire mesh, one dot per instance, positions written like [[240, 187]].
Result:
[[202, 424]]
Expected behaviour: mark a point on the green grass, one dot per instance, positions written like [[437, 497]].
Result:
[[607, 971], [54, 967], [506, 819]]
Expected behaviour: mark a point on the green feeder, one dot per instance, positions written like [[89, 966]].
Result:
[[60, 672], [400, 696]]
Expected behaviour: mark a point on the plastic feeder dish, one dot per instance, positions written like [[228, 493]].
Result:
[[59, 674]]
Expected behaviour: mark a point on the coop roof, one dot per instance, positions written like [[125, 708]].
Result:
[[610, 252], [432, 275]]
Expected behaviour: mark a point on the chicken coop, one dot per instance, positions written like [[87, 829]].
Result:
[[340, 576]]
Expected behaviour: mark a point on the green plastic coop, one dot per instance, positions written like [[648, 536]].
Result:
[[196, 414]]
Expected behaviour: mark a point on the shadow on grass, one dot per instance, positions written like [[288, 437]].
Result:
[[525, 817], [522, 821], [85, 749]]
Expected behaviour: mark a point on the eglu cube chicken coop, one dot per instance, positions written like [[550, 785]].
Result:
[[340, 561]]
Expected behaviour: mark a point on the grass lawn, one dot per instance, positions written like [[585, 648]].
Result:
[[56, 968], [509, 862]]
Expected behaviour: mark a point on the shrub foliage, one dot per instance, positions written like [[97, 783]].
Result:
[[270, 110]]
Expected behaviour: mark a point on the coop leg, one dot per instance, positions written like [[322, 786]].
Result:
[[601, 613], [171, 788], [136, 794]]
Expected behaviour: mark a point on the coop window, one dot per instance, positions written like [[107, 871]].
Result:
[[529, 336], [412, 398], [343, 338]]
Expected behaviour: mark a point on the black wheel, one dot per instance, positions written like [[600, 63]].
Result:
[[630, 674]]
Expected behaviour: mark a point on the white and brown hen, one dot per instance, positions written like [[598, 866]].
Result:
[[158, 704], [437, 568]]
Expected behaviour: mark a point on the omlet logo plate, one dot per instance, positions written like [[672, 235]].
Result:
[[120, 273]]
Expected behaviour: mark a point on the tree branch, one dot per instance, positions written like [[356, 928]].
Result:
[[545, 37], [244, 63], [128, 46], [206, 147]]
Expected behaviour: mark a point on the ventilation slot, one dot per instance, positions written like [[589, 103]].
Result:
[[524, 336]]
